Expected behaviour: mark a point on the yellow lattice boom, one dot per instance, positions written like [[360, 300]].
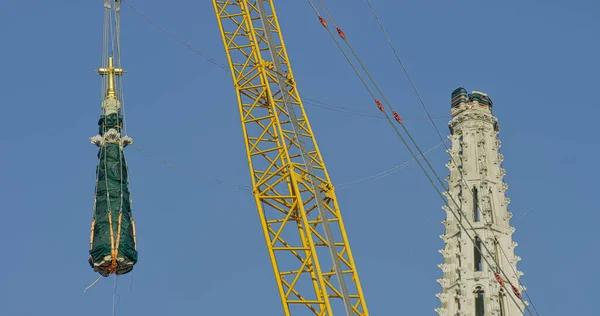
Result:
[[298, 209]]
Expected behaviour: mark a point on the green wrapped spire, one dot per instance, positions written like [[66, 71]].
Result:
[[112, 240], [112, 237], [113, 233]]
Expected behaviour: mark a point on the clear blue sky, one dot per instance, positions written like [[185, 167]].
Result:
[[200, 243]]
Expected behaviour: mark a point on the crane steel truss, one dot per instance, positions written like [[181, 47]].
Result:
[[298, 209]]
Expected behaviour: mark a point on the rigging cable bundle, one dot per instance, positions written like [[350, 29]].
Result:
[[306, 100], [112, 237], [440, 136], [399, 120], [397, 117]]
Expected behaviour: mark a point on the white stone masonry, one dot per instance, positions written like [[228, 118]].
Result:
[[111, 106], [469, 286]]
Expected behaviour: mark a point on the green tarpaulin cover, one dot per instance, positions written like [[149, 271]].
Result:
[[112, 241]]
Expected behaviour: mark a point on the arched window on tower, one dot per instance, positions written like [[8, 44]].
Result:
[[502, 302], [491, 205], [475, 205], [477, 254], [479, 302], [497, 254]]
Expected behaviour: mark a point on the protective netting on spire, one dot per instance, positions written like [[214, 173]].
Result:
[[113, 232], [112, 237]]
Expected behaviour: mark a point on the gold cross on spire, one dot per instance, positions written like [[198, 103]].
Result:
[[111, 71]]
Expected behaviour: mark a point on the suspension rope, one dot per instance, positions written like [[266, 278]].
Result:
[[115, 296], [399, 120], [198, 52], [93, 283], [111, 91], [111, 32], [385, 173], [131, 284], [333, 108], [368, 2], [120, 90], [522, 215], [117, 11], [306, 100], [404, 70], [242, 187], [356, 113]]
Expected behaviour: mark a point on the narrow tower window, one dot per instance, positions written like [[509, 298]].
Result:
[[502, 303], [477, 254], [475, 205], [497, 254], [479, 305], [491, 201]]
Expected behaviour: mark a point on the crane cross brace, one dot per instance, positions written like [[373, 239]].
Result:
[[302, 224]]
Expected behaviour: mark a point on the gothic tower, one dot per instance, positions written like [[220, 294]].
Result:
[[479, 269]]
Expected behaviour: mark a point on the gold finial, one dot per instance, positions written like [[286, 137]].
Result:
[[111, 71]]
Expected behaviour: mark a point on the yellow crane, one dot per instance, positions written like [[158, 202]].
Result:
[[301, 220]]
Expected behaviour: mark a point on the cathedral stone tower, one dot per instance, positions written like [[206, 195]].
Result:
[[472, 279]]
